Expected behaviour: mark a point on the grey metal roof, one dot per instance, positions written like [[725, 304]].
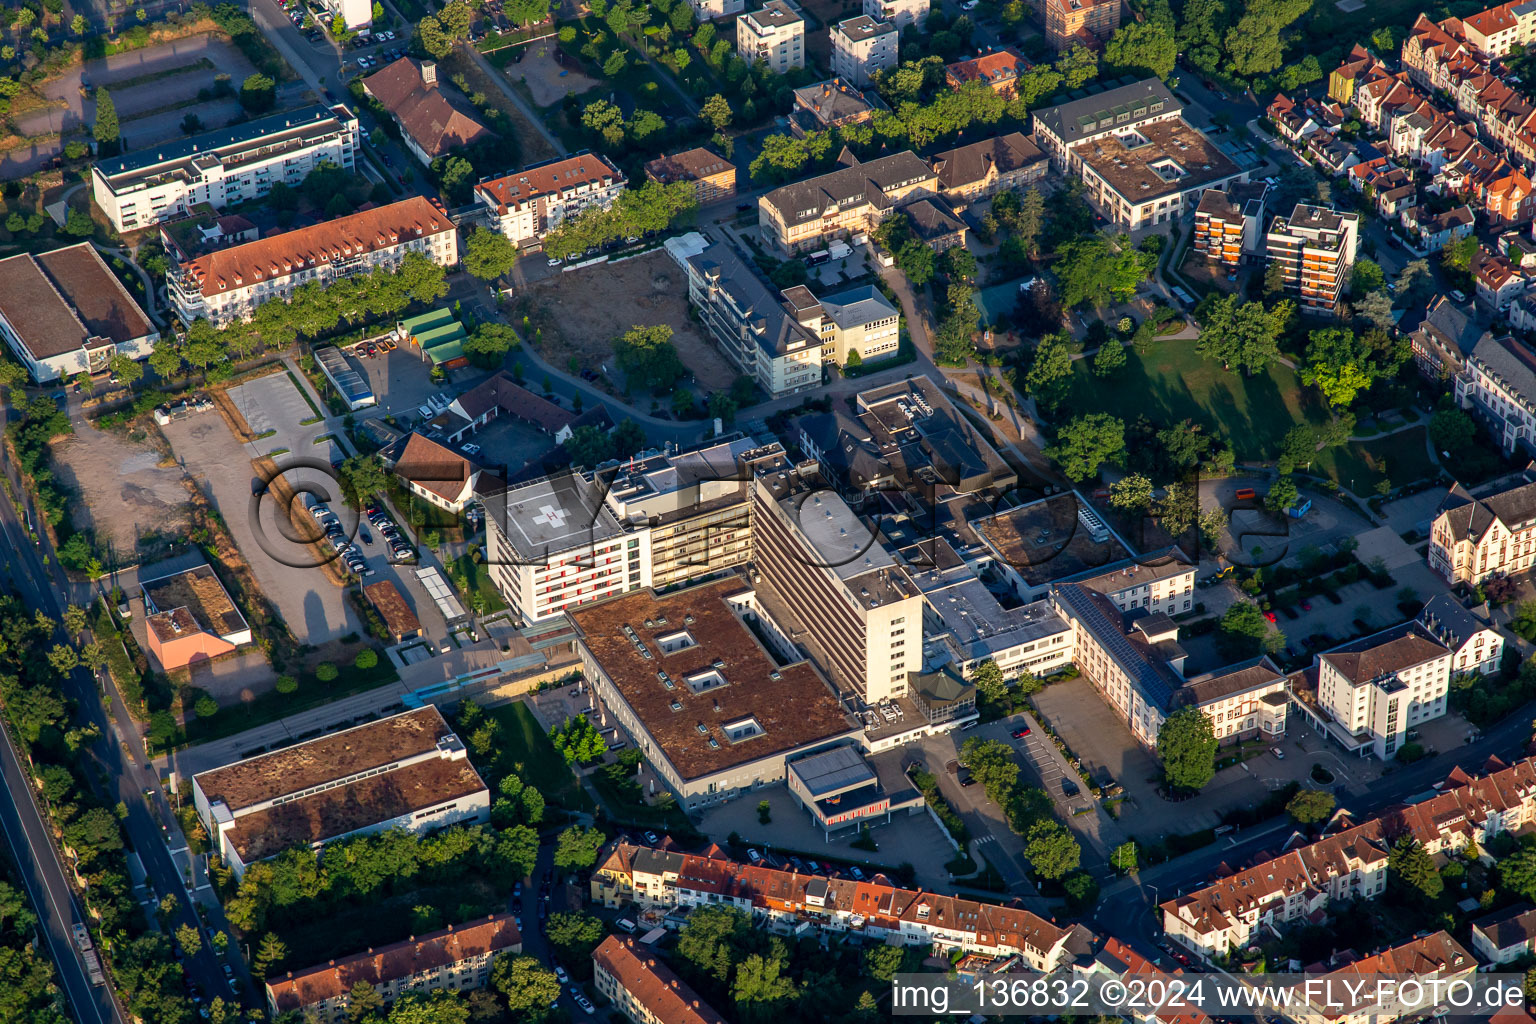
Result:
[[832, 770], [857, 306], [775, 328], [1078, 119], [803, 201], [1511, 361]]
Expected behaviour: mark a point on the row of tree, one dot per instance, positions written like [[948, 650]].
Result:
[[653, 207]]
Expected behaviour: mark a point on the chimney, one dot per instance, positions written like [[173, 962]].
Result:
[[428, 73]]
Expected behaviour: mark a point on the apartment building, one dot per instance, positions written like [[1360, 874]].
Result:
[[1476, 646], [1434, 231], [553, 545], [710, 10], [1070, 23], [432, 120], [773, 34], [862, 46], [695, 504], [717, 712], [1506, 935], [1443, 339], [1474, 538], [859, 321], [228, 285], [1118, 960], [1499, 280], [1000, 69], [232, 165], [1315, 248], [189, 617], [456, 959], [629, 976], [988, 167], [833, 103], [714, 176], [355, 14], [1374, 689], [904, 14], [787, 902], [408, 771], [855, 198], [1229, 224], [1432, 959], [1350, 865], [856, 604], [1497, 384], [63, 313], [1498, 30], [528, 204], [1060, 130], [1152, 173], [753, 327]]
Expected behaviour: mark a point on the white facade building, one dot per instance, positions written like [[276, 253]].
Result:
[[224, 167], [774, 34], [862, 46], [528, 204], [1380, 686], [902, 13]]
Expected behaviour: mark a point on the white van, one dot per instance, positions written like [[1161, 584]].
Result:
[[625, 925]]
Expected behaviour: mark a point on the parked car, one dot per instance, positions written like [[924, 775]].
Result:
[[1021, 732], [470, 449], [1280, 754], [585, 1004], [754, 856], [652, 838], [560, 974], [554, 261], [367, 537], [858, 875], [319, 511]]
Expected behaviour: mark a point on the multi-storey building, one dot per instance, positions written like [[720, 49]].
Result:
[[904, 14], [1506, 935], [854, 198], [695, 504], [1374, 689], [1000, 69], [987, 167], [714, 176], [855, 602], [408, 771], [457, 959], [1350, 865], [1315, 248], [787, 901], [224, 167], [833, 104], [355, 14], [860, 321], [1476, 646], [1433, 959], [630, 977], [64, 313], [1229, 224], [528, 204], [1060, 130], [1443, 339], [718, 707], [1497, 384], [752, 326], [1500, 281], [1118, 960], [189, 617], [229, 284], [1070, 23], [1482, 537], [554, 545], [773, 34], [1150, 174], [432, 120], [1498, 30], [862, 46], [1434, 231], [709, 10]]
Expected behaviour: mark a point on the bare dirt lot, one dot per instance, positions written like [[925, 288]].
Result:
[[127, 493], [585, 310], [542, 75]]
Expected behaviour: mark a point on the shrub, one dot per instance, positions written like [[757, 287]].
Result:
[[206, 707], [366, 658], [287, 684], [326, 672]]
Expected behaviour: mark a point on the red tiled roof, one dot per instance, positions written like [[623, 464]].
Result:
[[553, 178], [652, 984], [423, 111], [433, 467]]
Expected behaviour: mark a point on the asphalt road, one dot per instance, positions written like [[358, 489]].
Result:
[[145, 828]]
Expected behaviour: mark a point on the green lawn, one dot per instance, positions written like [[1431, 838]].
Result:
[[1173, 383], [525, 749], [478, 578], [620, 809], [1361, 465]]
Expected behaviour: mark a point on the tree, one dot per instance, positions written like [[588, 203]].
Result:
[[1124, 858], [106, 130], [528, 986], [258, 93], [1458, 254], [761, 992], [1142, 49], [326, 672], [1337, 365], [1412, 871], [1051, 850], [1242, 336], [711, 939], [993, 765], [1253, 43], [1078, 66], [1050, 372], [1099, 270], [490, 341], [1366, 277], [444, 1006], [1517, 873], [526, 12], [74, 619], [1283, 494], [1186, 744], [717, 111], [126, 370], [366, 658], [1086, 443], [1298, 448], [62, 658], [647, 357], [189, 939], [883, 962], [1184, 444], [488, 255], [433, 39], [78, 25], [269, 953], [578, 741], [1109, 359], [364, 1004], [363, 477], [576, 848], [206, 706], [1131, 493], [79, 224], [574, 935], [1452, 430], [1310, 806], [1242, 631], [989, 683], [1029, 220]]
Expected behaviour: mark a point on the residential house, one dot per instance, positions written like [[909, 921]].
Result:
[[1000, 69], [528, 204], [1505, 936], [904, 14], [988, 167], [1474, 538], [714, 176], [1315, 249], [433, 472], [861, 47], [1443, 338], [933, 224], [1070, 23], [773, 34], [1429, 959], [710, 10], [1499, 281], [855, 198], [431, 124], [1476, 646], [833, 104], [1434, 231]]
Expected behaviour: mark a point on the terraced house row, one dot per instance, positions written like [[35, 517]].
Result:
[[793, 902], [1352, 864]]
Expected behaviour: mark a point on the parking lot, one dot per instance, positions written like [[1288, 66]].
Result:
[[509, 443], [401, 380]]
